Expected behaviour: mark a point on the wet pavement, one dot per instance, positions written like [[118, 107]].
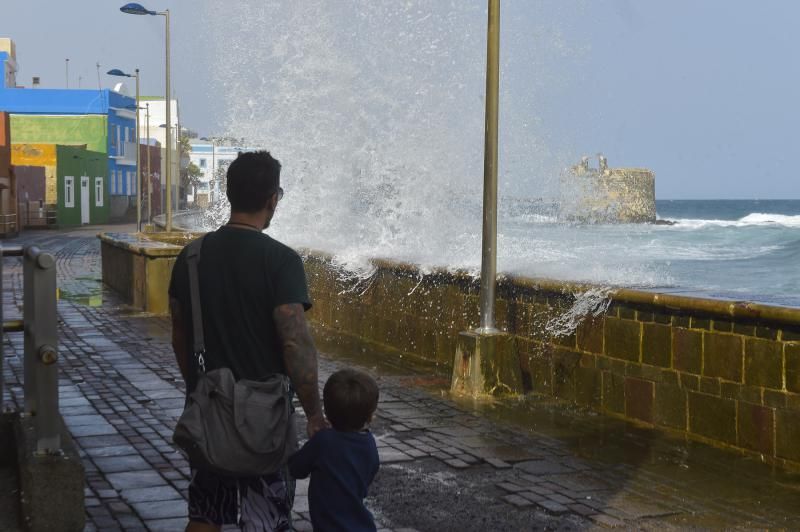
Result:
[[447, 464]]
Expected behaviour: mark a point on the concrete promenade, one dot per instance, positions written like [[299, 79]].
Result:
[[446, 465]]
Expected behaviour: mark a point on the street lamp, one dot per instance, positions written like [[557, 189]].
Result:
[[179, 130], [489, 253], [120, 73], [149, 173], [482, 352], [138, 9]]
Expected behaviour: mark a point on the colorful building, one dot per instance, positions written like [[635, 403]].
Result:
[[152, 124], [98, 121], [8, 221], [81, 181], [8, 63]]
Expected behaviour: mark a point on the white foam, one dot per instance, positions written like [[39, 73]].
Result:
[[753, 219]]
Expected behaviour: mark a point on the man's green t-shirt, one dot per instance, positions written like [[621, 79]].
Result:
[[244, 275]]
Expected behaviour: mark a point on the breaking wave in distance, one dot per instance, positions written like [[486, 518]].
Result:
[[756, 218]]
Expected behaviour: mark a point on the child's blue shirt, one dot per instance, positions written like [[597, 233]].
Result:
[[342, 466]]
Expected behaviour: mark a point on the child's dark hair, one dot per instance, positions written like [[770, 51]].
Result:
[[350, 398]]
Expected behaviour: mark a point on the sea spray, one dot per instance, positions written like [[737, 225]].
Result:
[[593, 302]]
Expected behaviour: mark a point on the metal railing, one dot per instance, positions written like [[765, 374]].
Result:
[[8, 223], [39, 324]]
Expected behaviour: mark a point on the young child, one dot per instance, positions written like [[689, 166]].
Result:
[[343, 460]]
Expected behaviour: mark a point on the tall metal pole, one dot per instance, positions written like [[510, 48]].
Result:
[[168, 166], [67, 71], [138, 162], [489, 255], [178, 160], [149, 173]]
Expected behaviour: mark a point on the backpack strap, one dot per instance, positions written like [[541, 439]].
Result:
[[192, 261]]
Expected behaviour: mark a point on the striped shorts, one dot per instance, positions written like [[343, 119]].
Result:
[[255, 504]]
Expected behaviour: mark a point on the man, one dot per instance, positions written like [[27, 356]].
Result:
[[253, 296]]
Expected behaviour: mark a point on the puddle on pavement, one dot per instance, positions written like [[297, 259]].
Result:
[[701, 471], [697, 471]]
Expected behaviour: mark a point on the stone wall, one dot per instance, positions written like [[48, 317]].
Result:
[[608, 195], [139, 267], [632, 191], [727, 373], [722, 372]]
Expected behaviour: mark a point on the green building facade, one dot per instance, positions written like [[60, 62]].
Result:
[[82, 183], [82, 130]]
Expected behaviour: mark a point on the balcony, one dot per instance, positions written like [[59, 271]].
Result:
[[126, 153]]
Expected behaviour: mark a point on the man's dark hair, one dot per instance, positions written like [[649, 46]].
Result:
[[252, 178], [350, 398]]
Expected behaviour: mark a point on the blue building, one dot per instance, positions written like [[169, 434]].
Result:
[[102, 121]]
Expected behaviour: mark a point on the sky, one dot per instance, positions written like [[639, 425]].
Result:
[[702, 92]]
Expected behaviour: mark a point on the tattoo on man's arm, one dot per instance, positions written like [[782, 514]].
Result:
[[299, 355]]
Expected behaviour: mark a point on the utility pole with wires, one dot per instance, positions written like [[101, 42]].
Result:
[[99, 87], [67, 67]]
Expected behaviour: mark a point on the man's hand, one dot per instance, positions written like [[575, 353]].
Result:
[[300, 359], [316, 424]]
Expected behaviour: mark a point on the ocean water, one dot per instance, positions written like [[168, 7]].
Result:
[[733, 249], [375, 109], [742, 250]]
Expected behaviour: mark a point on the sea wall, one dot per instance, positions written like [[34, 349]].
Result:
[[726, 373], [721, 372], [138, 267]]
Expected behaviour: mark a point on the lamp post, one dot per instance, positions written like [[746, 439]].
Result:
[[177, 157], [489, 248], [149, 174], [138, 9], [486, 361], [168, 128], [118, 72]]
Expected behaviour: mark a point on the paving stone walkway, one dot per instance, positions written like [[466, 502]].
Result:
[[445, 465]]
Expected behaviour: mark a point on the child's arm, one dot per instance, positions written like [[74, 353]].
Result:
[[374, 459], [302, 462]]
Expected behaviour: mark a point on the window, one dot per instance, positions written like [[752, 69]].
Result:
[[69, 191], [118, 179], [98, 191], [202, 163]]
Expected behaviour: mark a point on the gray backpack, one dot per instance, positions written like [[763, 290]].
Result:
[[234, 428]]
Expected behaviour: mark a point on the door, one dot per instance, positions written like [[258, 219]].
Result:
[[84, 199]]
